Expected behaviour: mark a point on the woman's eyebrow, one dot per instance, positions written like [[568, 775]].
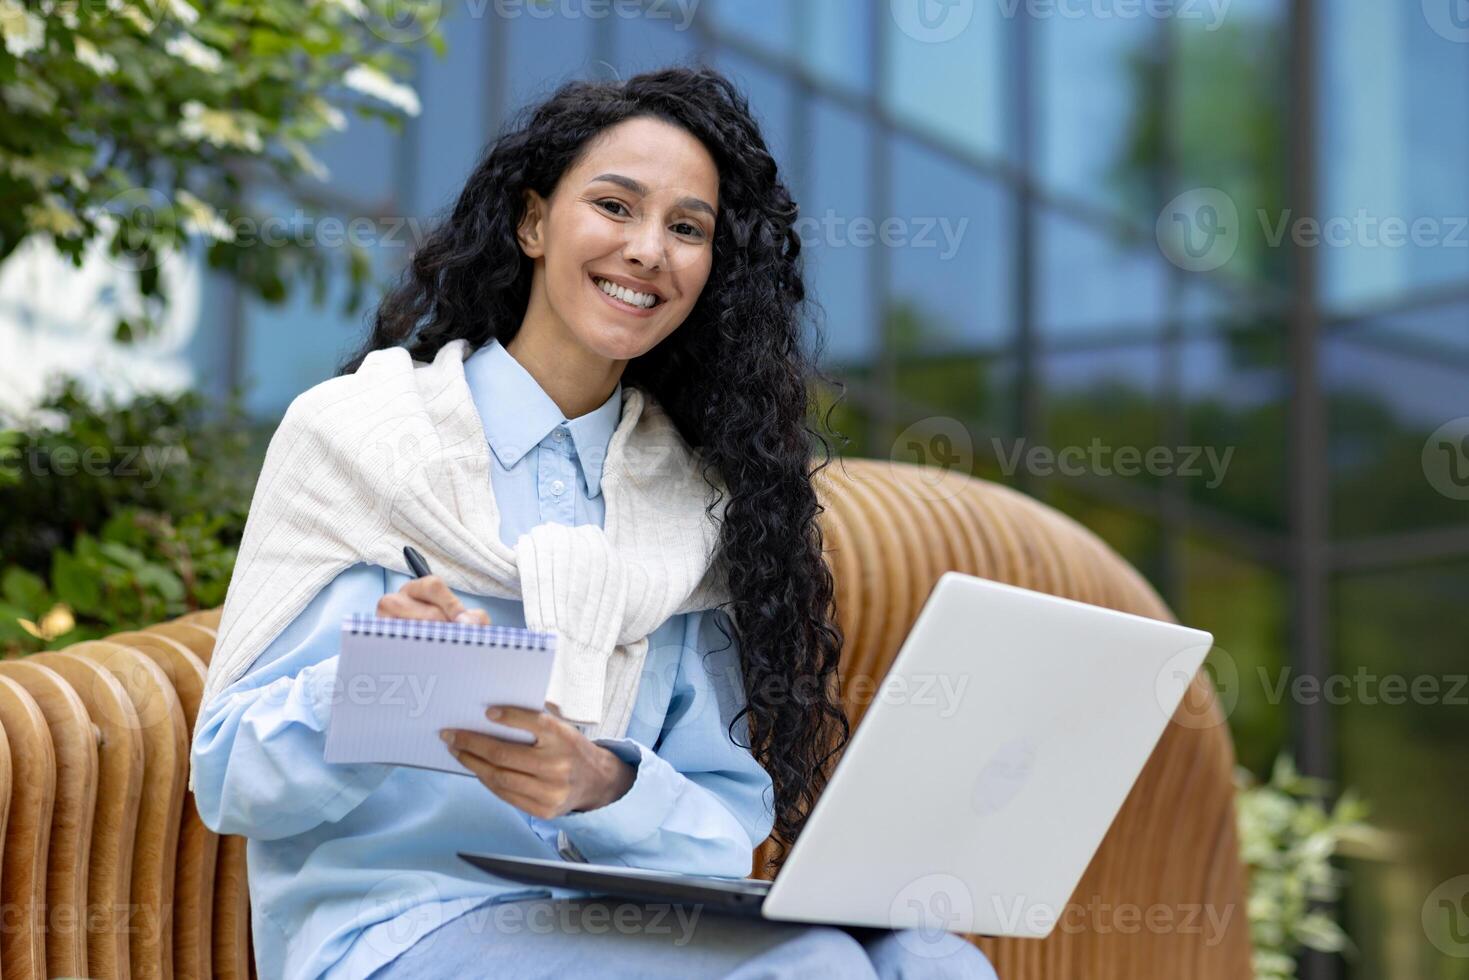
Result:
[[638, 187]]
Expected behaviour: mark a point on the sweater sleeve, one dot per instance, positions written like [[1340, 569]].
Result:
[[699, 803], [258, 750]]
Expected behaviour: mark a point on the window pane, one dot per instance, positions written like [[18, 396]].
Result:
[[371, 185], [948, 239], [1403, 736], [838, 272], [851, 417], [1102, 415], [1136, 537], [835, 40], [450, 132], [1234, 390], [968, 404], [1091, 283], [1092, 82], [1385, 403], [1245, 606], [648, 42], [1393, 149], [767, 23], [771, 102], [544, 48], [1227, 118], [947, 76]]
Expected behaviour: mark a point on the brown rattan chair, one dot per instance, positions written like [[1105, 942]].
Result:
[[890, 531]]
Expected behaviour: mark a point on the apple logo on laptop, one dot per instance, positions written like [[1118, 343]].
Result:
[[1003, 776]]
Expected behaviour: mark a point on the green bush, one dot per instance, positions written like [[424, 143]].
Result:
[[118, 515]]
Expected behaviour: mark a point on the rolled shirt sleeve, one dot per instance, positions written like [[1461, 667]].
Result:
[[699, 803], [258, 751]]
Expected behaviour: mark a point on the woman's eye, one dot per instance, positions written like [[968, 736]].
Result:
[[691, 229], [604, 204]]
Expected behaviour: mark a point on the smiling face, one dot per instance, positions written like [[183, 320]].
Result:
[[624, 244]]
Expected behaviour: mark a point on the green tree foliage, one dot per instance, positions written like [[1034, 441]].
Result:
[[134, 124]]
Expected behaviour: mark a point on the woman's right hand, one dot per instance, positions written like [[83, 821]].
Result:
[[429, 598]]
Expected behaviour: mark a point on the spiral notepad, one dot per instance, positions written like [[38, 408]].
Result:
[[399, 681]]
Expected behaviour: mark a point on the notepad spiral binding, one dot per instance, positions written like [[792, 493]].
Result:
[[513, 637]]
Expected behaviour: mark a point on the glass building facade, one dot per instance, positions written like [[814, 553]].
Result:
[[1200, 280]]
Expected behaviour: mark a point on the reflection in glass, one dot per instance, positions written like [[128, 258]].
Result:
[[1234, 390], [1244, 605], [1392, 150], [837, 271], [1384, 405], [1089, 282], [952, 86], [948, 239], [1402, 717]]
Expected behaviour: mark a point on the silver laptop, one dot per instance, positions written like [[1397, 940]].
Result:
[[988, 768]]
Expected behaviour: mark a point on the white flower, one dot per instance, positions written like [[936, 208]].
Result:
[[99, 61], [353, 7], [202, 219], [24, 32], [306, 161], [68, 14], [183, 11], [194, 52], [333, 117], [53, 214], [220, 127], [370, 81]]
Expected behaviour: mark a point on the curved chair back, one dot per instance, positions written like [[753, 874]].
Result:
[[193, 888], [165, 775], [119, 795], [889, 531], [27, 832], [74, 741], [227, 933]]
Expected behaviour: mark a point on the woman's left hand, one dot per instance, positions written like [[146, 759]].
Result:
[[563, 771]]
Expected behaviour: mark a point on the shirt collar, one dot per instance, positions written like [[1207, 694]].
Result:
[[517, 413]]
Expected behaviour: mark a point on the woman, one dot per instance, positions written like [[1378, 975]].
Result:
[[625, 254]]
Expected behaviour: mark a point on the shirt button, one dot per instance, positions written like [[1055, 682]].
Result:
[[559, 435], [557, 487]]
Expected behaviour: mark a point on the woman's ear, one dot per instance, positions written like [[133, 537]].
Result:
[[529, 229]]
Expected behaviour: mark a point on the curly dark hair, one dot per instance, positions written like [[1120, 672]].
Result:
[[733, 378]]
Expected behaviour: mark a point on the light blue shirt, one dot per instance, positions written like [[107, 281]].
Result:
[[350, 864]]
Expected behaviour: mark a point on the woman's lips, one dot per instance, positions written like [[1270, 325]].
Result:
[[618, 304]]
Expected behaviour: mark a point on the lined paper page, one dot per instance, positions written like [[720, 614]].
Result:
[[395, 692]]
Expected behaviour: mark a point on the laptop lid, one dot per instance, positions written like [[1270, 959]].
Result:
[[990, 763]]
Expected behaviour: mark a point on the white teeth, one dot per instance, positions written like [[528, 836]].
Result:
[[628, 296]]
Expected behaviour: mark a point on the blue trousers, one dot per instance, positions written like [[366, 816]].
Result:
[[611, 938]]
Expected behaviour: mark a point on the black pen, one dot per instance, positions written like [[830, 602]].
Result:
[[416, 562]]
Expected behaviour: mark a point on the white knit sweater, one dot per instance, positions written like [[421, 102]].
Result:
[[395, 453]]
